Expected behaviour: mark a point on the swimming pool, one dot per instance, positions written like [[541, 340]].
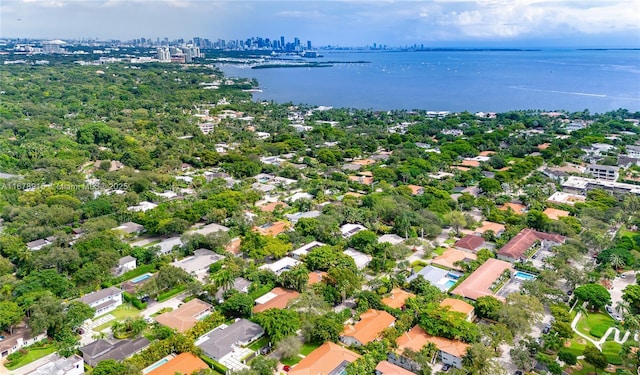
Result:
[[524, 276], [141, 278], [449, 284], [155, 365]]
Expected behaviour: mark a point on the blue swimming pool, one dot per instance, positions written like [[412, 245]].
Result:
[[155, 365], [524, 276], [449, 284], [141, 278]]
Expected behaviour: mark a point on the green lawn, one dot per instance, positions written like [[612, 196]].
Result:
[[120, 313], [577, 346], [308, 348], [292, 361], [32, 355], [586, 323], [259, 344], [611, 350]]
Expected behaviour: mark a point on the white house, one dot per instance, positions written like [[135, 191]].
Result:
[[104, 301], [281, 265]]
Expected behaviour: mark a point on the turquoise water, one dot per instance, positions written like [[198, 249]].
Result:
[[488, 81], [156, 365], [524, 276], [449, 284], [141, 278]]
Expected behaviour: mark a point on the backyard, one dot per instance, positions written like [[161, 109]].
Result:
[[33, 353], [120, 313]]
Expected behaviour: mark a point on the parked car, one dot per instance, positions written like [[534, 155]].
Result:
[[623, 275], [446, 367], [286, 368], [518, 372], [609, 309]]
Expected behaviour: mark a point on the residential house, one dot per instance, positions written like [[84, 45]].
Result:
[[142, 207], [101, 350], [222, 340], [450, 352], [565, 198], [73, 365], [316, 276], [459, 306], [397, 298], [240, 284], [37, 244], [442, 279], [388, 368], [349, 230], [125, 264], [272, 206], [392, 239], [582, 185], [20, 337], [304, 250], [293, 218], [272, 229], [486, 226], [103, 301], [470, 242], [416, 190], [368, 328], [277, 298], [555, 214], [327, 359], [484, 280], [129, 228], [450, 258], [516, 249], [281, 265], [365, 180], [603, 172], [361, 259], [518, 209], [186, 316], [167, 245], [182, 364], [198, 264]]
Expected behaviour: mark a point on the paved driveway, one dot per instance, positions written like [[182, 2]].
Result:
[[154, 307], [618, 286]]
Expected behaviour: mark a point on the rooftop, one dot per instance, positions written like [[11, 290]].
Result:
[[388, 368], [272, 229], [490, 226], [478, 284], [518, 246], [324, 360], [368, 328], [470, 242], [397, 298], [219, 342], [555, 214], [457, 305], [184, 364], [186, 316], [277, 298], [417, 338], [450, 256]]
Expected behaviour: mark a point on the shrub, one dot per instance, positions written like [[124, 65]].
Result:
[[599, 330], [567, 357]]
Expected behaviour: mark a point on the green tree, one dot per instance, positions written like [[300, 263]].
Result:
[[263, 365], [239, 305], [595, 295], [296, 278], [10, 315], [488, 307], [567, 357], [595, 358], [278, 323], [479, 360], [289, 347]]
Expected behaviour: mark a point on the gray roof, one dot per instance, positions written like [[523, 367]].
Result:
[[101, 350], [220, 341], [36, 243], [239, 284], [201, 260], [100, 294], [433, 275], [125, 260], [59, 366]]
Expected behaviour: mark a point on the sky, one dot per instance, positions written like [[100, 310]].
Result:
[[435, 23]]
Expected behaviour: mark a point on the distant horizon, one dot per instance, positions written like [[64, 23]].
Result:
[[370, 46], [436, 23]]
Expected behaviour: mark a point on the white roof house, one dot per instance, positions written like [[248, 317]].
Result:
[[349, 230], [304, 250], [142, 207], [281, 265], [393, 239], [361, 259]]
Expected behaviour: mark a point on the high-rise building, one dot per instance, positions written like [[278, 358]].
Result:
[[309, 44], [163, 54], [282, 44]]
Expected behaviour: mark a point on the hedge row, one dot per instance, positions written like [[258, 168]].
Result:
[[166, 295]]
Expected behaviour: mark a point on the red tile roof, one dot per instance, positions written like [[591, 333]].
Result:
[[184, 364], [368, 328], [281, 298], [470, 242], [324, 360], [518, 246], [397, 298], [478, 284]]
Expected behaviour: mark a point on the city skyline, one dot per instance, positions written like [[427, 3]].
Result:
[[494, 23]]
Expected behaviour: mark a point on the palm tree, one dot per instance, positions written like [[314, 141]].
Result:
[[617, 262], [623, 307], [224, 279]]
